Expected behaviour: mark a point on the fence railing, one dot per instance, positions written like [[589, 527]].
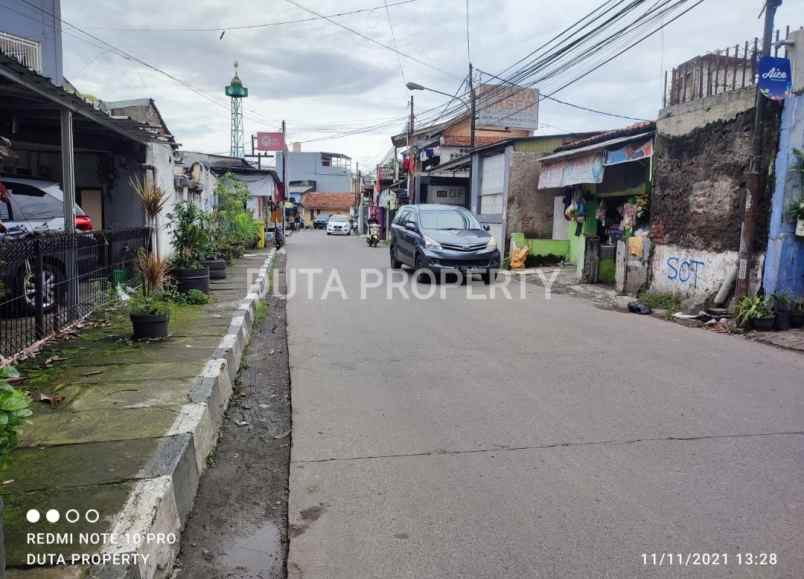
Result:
[[717, 72], [49, 281]]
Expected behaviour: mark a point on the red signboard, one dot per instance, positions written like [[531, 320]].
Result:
[[270, 142]]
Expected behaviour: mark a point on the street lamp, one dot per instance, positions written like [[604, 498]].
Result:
[[470, 107], [417, 86]]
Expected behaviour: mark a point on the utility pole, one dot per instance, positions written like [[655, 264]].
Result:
[[412, 164], [474, 106], [472, 132], [753, 193], [284, 172]]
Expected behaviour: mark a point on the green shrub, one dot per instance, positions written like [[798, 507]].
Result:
[[234, 226], [15, 407], [753, 308], [661, 301], [149, 305], [191, 233], [194, 297]]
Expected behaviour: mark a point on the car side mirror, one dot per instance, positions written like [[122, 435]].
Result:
[[411, 226], [486, 227]]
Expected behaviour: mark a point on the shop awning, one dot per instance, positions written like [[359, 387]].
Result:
[[597, 147], [587, 164]]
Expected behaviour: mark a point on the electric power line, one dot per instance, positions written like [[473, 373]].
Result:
[[648, 17], [370, 39], [394, 43], [251, 26]]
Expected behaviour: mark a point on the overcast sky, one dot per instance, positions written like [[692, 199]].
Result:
[[320, 77]]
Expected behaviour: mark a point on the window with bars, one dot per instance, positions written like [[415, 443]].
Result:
[[28, 52]]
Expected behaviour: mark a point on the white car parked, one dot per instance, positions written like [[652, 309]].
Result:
[[339, 225]]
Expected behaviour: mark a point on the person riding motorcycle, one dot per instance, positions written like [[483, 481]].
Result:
[[373, 238]]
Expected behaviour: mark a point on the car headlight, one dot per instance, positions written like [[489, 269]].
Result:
[[430, 243], [492, 244]]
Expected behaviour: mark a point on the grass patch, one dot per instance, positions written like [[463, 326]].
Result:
[[661, 301], [260, 311]]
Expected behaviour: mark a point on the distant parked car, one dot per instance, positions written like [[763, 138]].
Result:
[[320, 221], [443, 238], [339, 225]]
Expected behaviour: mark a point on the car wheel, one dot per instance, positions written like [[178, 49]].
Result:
[[420, 272], [395, 263], [53, 290], [489, 276]]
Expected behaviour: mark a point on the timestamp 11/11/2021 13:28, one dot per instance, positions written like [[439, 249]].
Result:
[[707, 559]]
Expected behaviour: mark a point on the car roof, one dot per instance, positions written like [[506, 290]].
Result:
[[50, 187], [433, 207]]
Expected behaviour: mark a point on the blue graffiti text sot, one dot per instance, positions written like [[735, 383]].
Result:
[[684, 271]]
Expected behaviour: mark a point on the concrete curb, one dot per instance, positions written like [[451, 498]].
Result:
[[159, 507]]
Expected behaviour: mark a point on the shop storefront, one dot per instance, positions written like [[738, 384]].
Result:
[[602, 192]]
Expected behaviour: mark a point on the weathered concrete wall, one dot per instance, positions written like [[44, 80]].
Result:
[[797, 60], [160, 157], [684, 118], [694, 272], [699, 179], [784, 268], [530, 210]]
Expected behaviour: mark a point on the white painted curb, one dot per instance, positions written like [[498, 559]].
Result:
[[152, 506]]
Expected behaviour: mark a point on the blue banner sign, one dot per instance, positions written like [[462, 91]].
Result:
[[775, 77]]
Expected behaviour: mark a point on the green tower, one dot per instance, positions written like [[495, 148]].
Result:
[[236, 91]]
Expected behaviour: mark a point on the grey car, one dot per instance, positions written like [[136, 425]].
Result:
[[442, 239]]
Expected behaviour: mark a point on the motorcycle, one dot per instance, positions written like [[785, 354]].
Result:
[[373, 238]]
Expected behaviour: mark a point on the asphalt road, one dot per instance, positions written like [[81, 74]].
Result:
[[457, 437]]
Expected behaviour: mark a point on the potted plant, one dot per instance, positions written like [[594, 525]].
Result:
[[216, 261], [191, 241], [234, 224], [15, 407], [755, 312], [796, 209], [797, 313], [796, 212], [149, 308], [782, 307], [153, 200]]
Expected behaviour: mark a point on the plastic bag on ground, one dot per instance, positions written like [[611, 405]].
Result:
[[518, 257]]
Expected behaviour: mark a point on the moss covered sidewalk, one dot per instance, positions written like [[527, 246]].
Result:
[[117, 430]]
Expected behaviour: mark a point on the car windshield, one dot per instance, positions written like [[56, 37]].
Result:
[[448, 219]]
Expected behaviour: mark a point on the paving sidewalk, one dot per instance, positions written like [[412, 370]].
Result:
[[130, 438]]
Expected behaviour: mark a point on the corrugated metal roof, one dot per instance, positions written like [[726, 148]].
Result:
[[17, 73], [595, 147]]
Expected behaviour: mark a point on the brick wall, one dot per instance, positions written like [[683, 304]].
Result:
[[530, 211]]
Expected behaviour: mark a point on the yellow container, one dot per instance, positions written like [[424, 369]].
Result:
[[261, 236]]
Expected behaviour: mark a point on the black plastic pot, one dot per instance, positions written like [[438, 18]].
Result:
[[797, 319], [149, 327], [763, 324], [189, 279], [217, 268], [782, 322]]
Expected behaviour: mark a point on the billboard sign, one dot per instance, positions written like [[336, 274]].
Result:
[[270, 142], [507, 107], [775, 77]]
